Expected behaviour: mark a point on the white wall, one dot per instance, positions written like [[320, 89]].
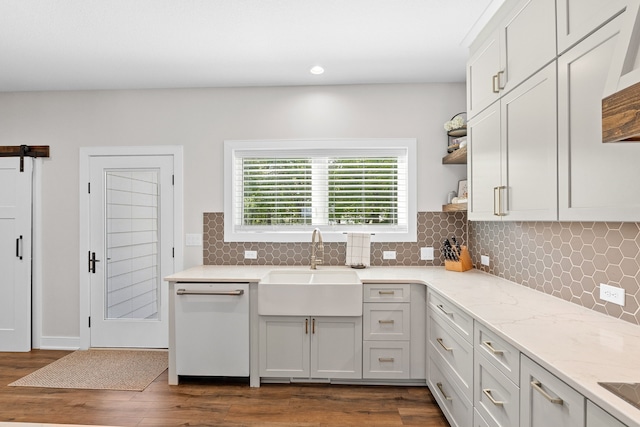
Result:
[[200, 120]]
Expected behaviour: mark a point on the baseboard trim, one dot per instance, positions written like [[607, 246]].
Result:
[[59, 343]]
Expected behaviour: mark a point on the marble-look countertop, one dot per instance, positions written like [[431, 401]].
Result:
[[580, 346]]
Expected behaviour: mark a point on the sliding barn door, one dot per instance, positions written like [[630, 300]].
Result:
[[15, 254]]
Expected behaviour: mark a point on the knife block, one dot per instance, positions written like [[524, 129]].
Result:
[[463, 264]]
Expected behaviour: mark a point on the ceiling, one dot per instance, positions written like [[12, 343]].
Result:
[[138, 44]]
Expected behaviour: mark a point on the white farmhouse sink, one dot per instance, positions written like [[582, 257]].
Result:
[[310, 293]]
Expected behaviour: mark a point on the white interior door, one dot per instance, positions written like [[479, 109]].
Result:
[[131, 241], [15, 254]]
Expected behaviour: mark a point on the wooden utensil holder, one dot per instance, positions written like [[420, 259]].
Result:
[[463, 264]]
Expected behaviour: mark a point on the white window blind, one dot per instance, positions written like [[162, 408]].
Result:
[[281, 190]]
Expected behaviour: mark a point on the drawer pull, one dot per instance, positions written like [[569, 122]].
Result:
[[386, 292], [385, 359], [537, 385], [386, 321], [442, 392], [306, 326], [444, 311], [487, 392], [495, 84], [442, 344], [489, 345]]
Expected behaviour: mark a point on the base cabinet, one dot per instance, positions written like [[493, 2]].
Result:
[[310, 347], [547, 401], [597, 417]]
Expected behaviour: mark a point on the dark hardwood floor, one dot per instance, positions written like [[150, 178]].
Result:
[[205, 402]]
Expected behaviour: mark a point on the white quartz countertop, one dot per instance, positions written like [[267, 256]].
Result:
[[580, 346]]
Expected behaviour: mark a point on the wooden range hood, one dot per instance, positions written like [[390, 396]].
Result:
[[621, 116]]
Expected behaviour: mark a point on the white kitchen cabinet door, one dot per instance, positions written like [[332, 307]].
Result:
[[597, 417], [484, 167], [336, 347], [284, 346], [579, 18], [482, 76], [546, 401], [529, 140], [597, 182], [527, 40]]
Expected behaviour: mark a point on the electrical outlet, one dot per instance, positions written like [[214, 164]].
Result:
[[426, 254], [389, 255], [250, 254], [193, 240], [484, 260], [612, 294]]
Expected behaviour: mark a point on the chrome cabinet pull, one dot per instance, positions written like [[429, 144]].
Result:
[[487, 392], [442, 345], [237, 292], [537, 385], [444, 311], [497, 211], [443, 393], [491, 349], [495, 87], [385, 359], [386, 321]]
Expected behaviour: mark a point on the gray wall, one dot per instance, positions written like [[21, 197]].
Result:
[[200, 120]]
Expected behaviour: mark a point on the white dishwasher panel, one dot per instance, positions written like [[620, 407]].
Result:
[[212, 329]]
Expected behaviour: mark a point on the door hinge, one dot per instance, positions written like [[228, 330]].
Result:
[[89, 321], [89, 187]]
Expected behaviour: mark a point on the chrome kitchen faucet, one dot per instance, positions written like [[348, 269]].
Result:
[[316, 239]]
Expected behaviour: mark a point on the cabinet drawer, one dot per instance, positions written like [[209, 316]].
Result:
[[597, 417], [546, 400], [387, 292], [454, 405], [500, 353], [456, 354], [383, 321], [386, 359], [460, 321], [495, 397]]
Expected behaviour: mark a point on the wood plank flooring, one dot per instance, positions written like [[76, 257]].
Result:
[[204, 402]]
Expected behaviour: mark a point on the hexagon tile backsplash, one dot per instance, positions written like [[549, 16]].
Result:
[[565, 259], [433, 228]]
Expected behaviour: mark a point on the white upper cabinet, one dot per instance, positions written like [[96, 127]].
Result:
[[513, 154], [597, 182], [579, 18], [510, 54]]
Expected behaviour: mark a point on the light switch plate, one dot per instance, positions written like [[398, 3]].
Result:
[[193, 240], [250, 254], [389, 255], [426, 254], [612, 294]]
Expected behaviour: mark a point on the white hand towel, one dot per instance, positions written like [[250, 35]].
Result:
[[358, 249]]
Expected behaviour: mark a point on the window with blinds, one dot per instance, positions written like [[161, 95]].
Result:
[[281, 190]]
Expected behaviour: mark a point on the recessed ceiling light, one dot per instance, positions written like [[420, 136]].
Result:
[[317, 70]]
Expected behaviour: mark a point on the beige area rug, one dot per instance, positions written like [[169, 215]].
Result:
[[100, 370]]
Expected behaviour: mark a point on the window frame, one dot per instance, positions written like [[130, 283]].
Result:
[[330, 233]]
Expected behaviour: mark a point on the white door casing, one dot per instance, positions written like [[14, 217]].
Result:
[[15, 254], [119, 231]]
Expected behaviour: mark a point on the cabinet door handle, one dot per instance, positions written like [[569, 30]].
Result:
[[497, 201], [19, 247], [487, 392], [440, 306], [443, 393], [313, 326], [386, 321], [537, 385], [306, 326], [489, 345], [500, 73], [442, 344], [386, 292], [495, 88], [385, 359]]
